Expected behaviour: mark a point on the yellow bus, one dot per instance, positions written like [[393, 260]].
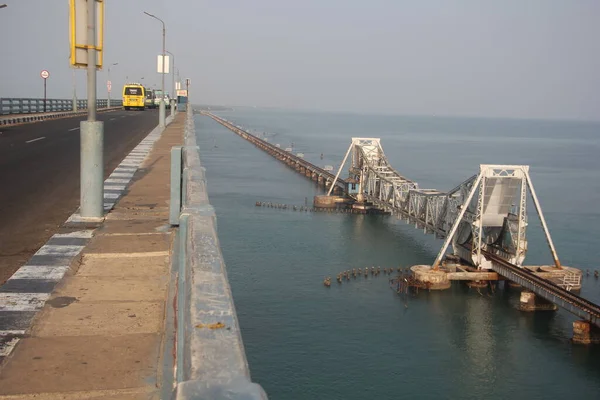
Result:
[[134, 96]]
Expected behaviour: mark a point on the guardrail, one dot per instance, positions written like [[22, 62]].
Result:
[[210, 359], [10, 106]]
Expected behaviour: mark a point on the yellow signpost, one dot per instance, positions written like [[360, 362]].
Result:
[[78, 32]]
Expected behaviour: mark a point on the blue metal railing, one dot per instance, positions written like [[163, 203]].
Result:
[[10, 106], [211, 360]]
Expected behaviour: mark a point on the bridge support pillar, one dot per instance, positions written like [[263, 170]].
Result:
[[585, 333], [530, 302], [432, 279]]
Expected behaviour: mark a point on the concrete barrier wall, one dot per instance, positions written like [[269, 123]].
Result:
[[211, 360]]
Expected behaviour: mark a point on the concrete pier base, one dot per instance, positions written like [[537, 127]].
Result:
[[585, 333], [530, 302], [434, 279], [332, 202]]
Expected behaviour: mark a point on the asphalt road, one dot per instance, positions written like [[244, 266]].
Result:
[[39, 177]]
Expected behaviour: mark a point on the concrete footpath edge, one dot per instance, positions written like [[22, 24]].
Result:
[[211, 360], [25, 293]]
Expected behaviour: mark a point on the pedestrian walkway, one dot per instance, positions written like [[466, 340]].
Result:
[[102, 334]]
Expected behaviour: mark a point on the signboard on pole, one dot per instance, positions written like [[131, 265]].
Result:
[[78, 32], [159, 64], [45, 75], [108, 85], [181, 93]]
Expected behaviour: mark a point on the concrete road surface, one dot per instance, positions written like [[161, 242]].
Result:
[[39, 177]]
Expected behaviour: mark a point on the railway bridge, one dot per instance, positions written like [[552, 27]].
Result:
[[484, 220]]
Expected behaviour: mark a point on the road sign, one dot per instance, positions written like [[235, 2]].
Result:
[[181, 93], [159, 64], [45, 74], [109, 85], [78, 29]]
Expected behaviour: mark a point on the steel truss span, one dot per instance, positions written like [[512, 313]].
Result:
[[485, 214]]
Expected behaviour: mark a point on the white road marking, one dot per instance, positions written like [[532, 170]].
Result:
[[111, 196], [50, 273], [35, 140], [121, 175], [112, 119], [78, 234], [59, 250], [22, 301], [7, 348], [110, 180], [114, 187], [74, 129], [12, 332]]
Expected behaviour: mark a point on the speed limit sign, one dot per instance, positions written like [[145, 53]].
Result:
[[45, 74]]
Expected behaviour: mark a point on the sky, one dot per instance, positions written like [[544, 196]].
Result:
[[485, 58]]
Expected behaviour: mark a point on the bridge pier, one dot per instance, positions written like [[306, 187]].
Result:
[[585, 333], [530, 302], [433, 279]]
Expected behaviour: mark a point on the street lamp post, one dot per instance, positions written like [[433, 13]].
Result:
[[173, 96], [161, 107], [75, 108], [111, 65], [91, 134]]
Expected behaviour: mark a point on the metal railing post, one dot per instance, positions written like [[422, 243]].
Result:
[[176, 182]]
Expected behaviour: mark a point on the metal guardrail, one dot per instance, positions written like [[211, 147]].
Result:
[[211, 360], [10, 106]]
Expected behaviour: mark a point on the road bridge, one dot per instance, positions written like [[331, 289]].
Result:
[[39, 174]]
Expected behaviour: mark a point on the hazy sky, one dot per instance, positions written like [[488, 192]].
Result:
[[520, 58]]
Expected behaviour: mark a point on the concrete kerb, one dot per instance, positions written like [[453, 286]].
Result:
[[211, 360]]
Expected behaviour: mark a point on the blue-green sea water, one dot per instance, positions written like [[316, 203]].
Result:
[[360, 340]]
